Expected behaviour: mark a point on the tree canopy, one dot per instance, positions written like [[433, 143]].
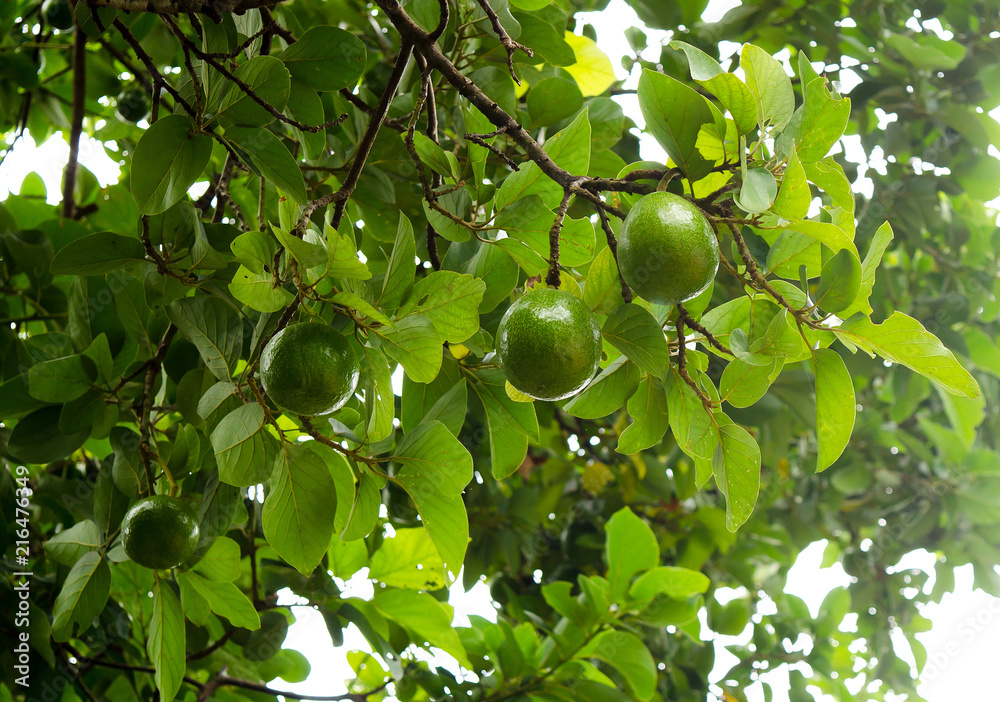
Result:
[[404, 171]]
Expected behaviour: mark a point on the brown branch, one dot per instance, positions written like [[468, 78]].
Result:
[[212, 8], [552, 279], [481, 140], [189, 45], [682, 369], [684, 318], [205, 652], [158, 79], [613, 245], [327, 441], [509, 45], [76, 120], [152, 370], [443, 22], [351, 182]]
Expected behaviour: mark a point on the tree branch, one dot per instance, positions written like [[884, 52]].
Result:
[[212, 8], [76, 120], [509, 45], [613, 245], [344, 193], [552, 279]]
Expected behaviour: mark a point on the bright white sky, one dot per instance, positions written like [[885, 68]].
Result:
[[965, 637]]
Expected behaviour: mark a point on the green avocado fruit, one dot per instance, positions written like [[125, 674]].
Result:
[[133, 105], [549, 344], [159, 532], [309, 369], [667, 250], [58, 14]]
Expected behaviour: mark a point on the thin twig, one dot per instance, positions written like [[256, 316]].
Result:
[[509, 45], [481, 140], [350, 183], [684, 318], [613, 245], [552, 279], [682, 369], [76, 120]]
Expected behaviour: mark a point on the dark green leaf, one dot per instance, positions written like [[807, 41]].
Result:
[[168, 159]]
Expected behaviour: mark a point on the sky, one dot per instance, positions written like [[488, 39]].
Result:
[[963, 643]]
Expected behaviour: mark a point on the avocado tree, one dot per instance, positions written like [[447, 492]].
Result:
[[403, 173]]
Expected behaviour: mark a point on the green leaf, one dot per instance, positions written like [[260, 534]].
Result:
[[364, 511], [432, 155], [305, 106], [267, 78], [82, 597], [398, 279], [839, 283], [127, 471], [529, 220], [825, 233], [96, 254], [631, 548], [770, 86], [626, 653], [602, 290], [359, 304], [408, 560], [436, 469], [693, 427], [239, 445], [742, 384], [346, 558], [731, 91], [607, 392], [823, 121], [168, 159], [570, 149], [633, 331], [221, 562], [794, 197], [36, 438], [424, 616], [225, 599], [67, 546], [498, 271], [271, 158], [552, 100], [165, 645], [511, 423], [309, 255], [736, 465], [648, 409], [214, 328], [902, 339], [758, 191], [450, 301], [299, 512], [880, 242], [830, 177], [835, 406], [592, 69], [674, 115], [379, 400], [62, 379], [257, 291], [414, 342], [342, 257], [672, 581], [927, 51], [326, 58]]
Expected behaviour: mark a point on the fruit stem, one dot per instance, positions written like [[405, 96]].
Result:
[[552, 279], [613, 245], [682, 369], [684, 318]]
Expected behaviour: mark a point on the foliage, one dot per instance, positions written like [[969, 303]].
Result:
[[817, 390]]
